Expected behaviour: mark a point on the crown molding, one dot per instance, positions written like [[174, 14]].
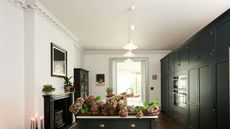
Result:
[[122, 52], [35, 5]]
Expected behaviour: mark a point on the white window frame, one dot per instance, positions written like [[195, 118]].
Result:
[[112, 68]]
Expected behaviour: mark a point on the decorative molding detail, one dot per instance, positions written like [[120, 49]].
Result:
[[122, 52], [23, 4], [42, 11]]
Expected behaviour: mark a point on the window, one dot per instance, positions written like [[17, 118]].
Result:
[[130, 77]]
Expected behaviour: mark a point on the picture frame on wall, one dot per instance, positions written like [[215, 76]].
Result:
[[100, 79], [58, 61]]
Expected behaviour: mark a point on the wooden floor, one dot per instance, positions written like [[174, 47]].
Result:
[[165, 122]]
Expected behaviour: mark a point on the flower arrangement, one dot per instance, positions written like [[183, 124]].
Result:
[[115, 105]]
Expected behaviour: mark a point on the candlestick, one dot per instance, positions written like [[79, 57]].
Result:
[[36, 121], [41, 122], [33, 123]]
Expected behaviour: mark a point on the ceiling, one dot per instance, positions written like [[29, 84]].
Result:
[[160, 24]]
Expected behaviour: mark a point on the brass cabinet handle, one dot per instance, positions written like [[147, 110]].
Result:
[[101, 126], [132, 126]]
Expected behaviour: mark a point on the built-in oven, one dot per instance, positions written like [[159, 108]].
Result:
[[180, 87]]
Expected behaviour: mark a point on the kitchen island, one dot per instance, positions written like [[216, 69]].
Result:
[[116, 122]]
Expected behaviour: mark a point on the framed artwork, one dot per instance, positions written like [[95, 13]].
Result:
[[58, 61], [100, 79]]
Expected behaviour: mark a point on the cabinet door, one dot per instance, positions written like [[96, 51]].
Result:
[[207, 98], [163, 84], [193, 52], [222, 38], [222, 81], [176, 59], [193, 95], [205, 46], [184, 56]]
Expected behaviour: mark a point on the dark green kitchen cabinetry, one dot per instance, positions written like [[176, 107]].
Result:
[[207, 97], [193, 52], [206, 45], [222, 82], [222, 38], [205, 59], [184, 56], [176, 59], [193, 100], [164, 88], [115, 123]]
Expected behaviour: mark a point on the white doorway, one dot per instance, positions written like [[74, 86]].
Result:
[[130, 77]]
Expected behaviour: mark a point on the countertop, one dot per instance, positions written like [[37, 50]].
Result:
[[115, 117]]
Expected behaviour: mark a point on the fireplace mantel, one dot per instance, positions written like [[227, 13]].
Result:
[[58, 104]]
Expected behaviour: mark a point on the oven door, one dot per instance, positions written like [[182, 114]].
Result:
[[180, 100]]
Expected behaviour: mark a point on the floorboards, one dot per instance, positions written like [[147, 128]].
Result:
[[165, 122]]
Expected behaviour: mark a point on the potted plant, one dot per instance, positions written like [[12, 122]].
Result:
[[68, 87], [109, 91], [48, 89]]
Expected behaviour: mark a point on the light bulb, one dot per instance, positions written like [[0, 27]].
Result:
[[132, 7], [132, 27]]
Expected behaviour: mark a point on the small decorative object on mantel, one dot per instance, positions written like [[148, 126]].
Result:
[[48, 89], [68, 87]]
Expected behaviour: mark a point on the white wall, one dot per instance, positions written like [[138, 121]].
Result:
[[11, 67], [25, 38], [45, 33], [99, 63]]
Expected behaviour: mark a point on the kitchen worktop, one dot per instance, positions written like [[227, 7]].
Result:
[[115, 117]]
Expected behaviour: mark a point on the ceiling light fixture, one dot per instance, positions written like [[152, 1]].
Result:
[[129, 54], [130, 46]]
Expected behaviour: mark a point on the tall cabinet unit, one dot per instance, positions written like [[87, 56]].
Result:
[[81, 82], [205, 102]]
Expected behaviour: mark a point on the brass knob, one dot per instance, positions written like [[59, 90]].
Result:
[[132, 126], [101, 125]]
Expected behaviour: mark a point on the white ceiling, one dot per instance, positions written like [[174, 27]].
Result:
[[160, 24]]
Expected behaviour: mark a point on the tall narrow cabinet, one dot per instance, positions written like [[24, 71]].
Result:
[[81, 82]]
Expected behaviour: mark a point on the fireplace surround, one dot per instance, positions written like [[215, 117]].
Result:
[[56, 111]]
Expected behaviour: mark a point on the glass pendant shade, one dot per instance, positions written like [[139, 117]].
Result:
[[129, 54], [130, 46]]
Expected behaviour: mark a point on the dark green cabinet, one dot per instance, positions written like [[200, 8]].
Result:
[[184, 56], [176, 59], [205, 46], [222, 38], [193, 52], [207, 98], [222, 83], [205, 57], [193, 102], [115, 123]]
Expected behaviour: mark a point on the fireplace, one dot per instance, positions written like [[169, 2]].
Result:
[[56, 111]]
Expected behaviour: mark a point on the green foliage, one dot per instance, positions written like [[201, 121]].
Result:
[[67, 80], [48, 88], [155, 103], [145, 105], [85, 108], [138, 108], [98, 98]]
